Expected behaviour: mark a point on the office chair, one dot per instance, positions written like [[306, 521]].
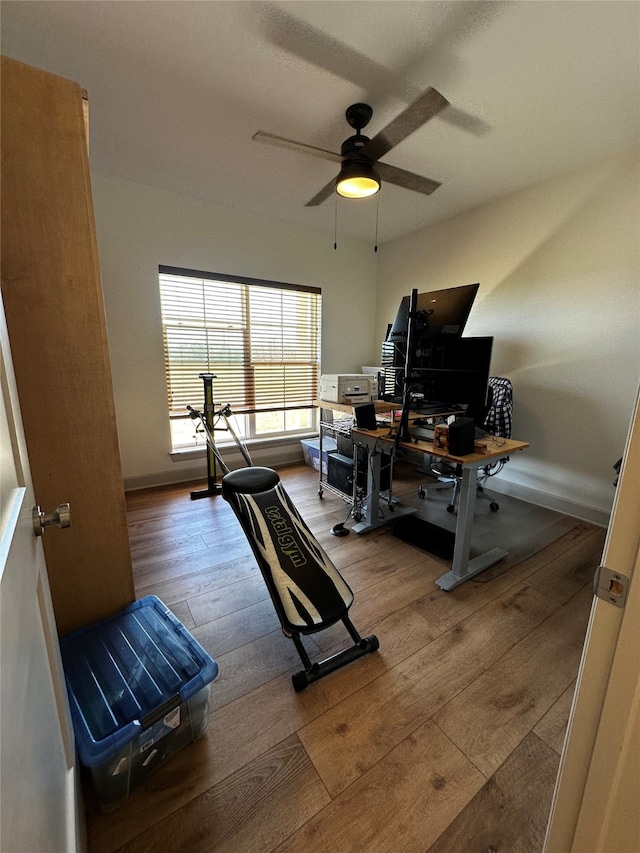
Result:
[[497, 421]]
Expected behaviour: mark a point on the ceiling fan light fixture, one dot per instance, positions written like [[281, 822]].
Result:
[[357, 179]]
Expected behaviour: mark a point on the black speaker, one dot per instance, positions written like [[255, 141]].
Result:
[[462, 436]]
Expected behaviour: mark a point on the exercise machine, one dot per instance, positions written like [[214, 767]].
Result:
[[212, 419], [308, 592]]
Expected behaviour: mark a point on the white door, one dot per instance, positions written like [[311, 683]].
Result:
[[596, 806], [39, 801]]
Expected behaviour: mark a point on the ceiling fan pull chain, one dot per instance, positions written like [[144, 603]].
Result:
[[335, 225], [375, 248]]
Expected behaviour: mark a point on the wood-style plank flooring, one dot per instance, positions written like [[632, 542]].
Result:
[[447, 739]]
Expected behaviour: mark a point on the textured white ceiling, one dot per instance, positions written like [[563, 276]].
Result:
[[177, 90]]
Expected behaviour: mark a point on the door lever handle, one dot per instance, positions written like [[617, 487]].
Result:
[[60, 516]]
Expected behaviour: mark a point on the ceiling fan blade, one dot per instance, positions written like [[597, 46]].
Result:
[[322, 50], [420, 111], [465, 121], [281, 142], [407, 180], [323, 195], [436, 53]]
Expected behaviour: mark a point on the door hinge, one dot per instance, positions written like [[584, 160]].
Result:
[[611, 586]]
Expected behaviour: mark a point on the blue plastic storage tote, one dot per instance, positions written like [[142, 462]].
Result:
[[138, 687]]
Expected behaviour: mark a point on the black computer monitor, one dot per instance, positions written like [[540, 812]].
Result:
[[438, 312], [452, 374], [427, 363], [449, 375]]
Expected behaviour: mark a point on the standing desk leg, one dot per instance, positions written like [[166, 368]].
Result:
[[462, 568], [372, 509]]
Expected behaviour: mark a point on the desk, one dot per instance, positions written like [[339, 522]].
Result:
[[462, 568]]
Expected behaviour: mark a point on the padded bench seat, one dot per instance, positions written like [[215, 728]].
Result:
[[308, 592]]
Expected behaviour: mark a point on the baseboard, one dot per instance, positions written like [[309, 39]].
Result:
[[592, 514]]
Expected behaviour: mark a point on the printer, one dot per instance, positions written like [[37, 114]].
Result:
[[348, 388]]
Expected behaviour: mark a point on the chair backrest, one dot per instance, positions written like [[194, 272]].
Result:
[[500, 415]]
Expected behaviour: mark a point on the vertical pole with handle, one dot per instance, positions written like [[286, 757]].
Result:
[[213, 487]]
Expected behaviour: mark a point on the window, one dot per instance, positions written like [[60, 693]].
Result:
[[261, 339]]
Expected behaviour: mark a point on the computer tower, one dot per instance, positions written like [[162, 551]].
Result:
[[340, 472], [345, 452]]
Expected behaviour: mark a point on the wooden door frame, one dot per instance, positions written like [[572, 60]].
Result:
[[589, 802], [55, 316]]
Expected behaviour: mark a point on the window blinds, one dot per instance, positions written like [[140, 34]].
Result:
[[260, 339]]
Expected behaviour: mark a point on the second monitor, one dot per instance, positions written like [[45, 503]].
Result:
[[427, 363], [449, 374]]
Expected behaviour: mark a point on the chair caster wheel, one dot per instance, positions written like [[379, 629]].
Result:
[[494, 507], [451, 508]]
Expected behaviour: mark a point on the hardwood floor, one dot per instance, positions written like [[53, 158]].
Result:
[[446, 740]]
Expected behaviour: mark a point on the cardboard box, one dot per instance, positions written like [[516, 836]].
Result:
[[441, 435]]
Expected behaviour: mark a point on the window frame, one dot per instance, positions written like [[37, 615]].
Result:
[[245, 414]]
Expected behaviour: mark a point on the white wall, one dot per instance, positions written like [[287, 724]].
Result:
[[558, 266], [140, 227]]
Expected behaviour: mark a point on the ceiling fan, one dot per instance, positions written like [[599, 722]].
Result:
[[361, 172]]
